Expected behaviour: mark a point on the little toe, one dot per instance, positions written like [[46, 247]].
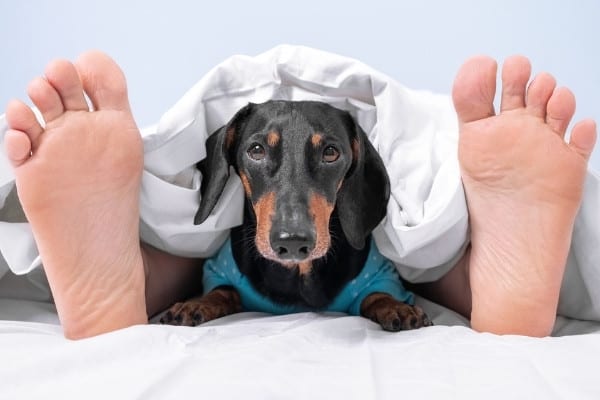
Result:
[[474, 89], [560, 110], [63, 76], [17, 146], [103, 81], [45, 98], [21, 117], [583, 138], [538, 94], [515, 75]]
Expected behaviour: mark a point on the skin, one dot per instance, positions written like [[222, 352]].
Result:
[[523, 185]]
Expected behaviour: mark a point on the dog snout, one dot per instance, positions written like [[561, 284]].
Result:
[[296, 245]]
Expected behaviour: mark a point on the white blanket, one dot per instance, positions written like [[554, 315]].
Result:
[[292, 356]]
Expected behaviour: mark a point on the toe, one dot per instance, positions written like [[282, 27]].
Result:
[[45, 98], [539, 92], [103, 81], [63, 77], [474, 89], [515, 75], [17, 146], [20, 117], [560, 110], [583, 138]]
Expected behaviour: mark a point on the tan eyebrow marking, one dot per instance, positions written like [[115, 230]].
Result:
[[316, 139], [273, 138]]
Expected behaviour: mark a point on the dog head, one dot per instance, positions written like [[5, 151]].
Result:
[[298, 161]]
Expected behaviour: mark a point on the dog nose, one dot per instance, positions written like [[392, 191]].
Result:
[[292, 246]]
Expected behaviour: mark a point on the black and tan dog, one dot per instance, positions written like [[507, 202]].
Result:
[[315, 189]]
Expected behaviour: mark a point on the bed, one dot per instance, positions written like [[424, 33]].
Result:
[[306, 355], [300, 356]]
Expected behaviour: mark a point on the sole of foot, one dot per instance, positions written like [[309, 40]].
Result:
[[523, 183], [78, 179]]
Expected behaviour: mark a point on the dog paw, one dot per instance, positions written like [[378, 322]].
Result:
[[403, 317], [393, 315], [215, 304], [188, 313]]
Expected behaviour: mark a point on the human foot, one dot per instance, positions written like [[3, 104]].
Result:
[[78, 179], [523, 185]]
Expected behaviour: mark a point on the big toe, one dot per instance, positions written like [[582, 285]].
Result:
[[103, 81], [474, 89]]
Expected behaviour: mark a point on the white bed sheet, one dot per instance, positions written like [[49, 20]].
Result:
[[298, 356]]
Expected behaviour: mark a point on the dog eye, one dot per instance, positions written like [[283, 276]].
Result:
[[330, 154], [256, 152]]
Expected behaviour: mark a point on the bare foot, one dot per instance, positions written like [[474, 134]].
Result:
[[78, 179], [524, 185]]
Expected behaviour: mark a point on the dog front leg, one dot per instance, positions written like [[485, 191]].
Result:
[[215, 304]]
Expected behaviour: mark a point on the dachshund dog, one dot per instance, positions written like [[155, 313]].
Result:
[[315, 189]]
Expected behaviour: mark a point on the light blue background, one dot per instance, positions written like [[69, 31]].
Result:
[[164, 47]]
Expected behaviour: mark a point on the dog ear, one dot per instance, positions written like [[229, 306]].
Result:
[[220, 150], [362, 200]]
